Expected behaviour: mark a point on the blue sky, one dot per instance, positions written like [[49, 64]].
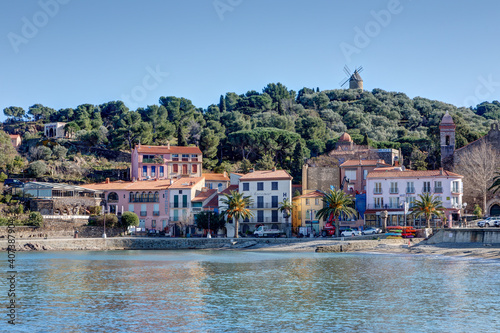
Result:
[[62, 53]]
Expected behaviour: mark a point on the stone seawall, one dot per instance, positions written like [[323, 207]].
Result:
[[144, 243], [476, 235]]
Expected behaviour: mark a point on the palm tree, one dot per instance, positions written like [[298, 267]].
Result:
[[236, 208], [496, 183], [428, 205], [336, 202], [286, 206]]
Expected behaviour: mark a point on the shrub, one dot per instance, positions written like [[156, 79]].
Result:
[[59, 152], [130, 219], [37, 169], [40, 153], [35, 219], [111, 221], [3, 177], [4, 221]]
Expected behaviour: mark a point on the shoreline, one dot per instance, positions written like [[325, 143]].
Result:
[[324, 245]]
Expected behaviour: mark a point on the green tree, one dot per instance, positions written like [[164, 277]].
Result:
[[478, 211], [181, 139], [7, 151], [222, 104], [245, 166], [129, 129], [35, 219], [417, 159], [162, 129], [335, 203], [236, 204], [37, 169], [129, 219], [428, 205], [16, 113], [59, 152], [209, 143], [265, 163], [210, 220], [298, 159], [40, 112], [286, 207]]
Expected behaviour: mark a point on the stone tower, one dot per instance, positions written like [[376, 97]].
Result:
[[355, 81], [447, 133]]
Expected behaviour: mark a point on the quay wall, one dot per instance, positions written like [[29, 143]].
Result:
[[475, 235]]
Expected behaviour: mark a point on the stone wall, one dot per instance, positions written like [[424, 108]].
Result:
[[320, 178], [476, 235], [66, 230]]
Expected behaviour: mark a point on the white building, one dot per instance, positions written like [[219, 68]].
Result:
[[388, 188], [55, 130], [181, 193], [266, 189]]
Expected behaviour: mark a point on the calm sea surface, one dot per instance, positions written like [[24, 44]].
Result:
[[200, 291]]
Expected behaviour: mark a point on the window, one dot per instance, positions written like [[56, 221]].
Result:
[[184, 169], [144, 171], [185, 157], [176, 201], [162, 173], [175, 157], [194, 156], [153, 224], [350, 174], [246, 187], [365, 173], [379, 202], [176, 215], [175, 168], [411, 201], [427, 187], [156, 197], [307, 201], [184, 201], [410, 188], [378, 188], [194, 168], [316, 201], [274, 216], [153, 171], [260, 202], [394, 188], [455, 187], [144, 210], [393, 202], [274, 186], [131, 197], [438, 187], [454, 201], [131, 208], [260, 216], [156, 210], [274, 201], [260, 186]]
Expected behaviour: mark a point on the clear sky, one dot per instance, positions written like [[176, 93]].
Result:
[[63, 53]]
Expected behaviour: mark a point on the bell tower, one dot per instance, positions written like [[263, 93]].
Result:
[[447, 134]]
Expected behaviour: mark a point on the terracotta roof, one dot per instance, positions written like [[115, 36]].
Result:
[[213, 203], [186, 182], [14, 136], [168, 150], [229, 189], [266, 175], [313, 194], [388, 173], [363, 163], [345, 137], [215, 177], [146, 185], [202, 196]]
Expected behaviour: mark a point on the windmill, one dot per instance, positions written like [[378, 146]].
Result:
[[354, 79]]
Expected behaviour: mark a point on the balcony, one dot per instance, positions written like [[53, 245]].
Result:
[[180, 205], [156, 213], [438, 190], [131, 200], [263, 205], [143, 213], [426, 190], [149, 160], [393, 191], [196, 209], [377, 191], [384, 206], [410, 190], [457, 190], [266, 219]]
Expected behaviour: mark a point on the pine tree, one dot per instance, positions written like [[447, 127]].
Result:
[[298, 161], [181, 140], [222, 104]]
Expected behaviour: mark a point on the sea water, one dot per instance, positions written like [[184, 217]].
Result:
[[229, 291]]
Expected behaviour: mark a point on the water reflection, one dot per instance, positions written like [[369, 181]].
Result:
[[181, 291]]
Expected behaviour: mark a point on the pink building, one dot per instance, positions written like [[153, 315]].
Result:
[[148, 199], [165, 162], [15, 139]]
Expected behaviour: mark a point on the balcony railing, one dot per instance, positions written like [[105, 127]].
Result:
[[426, 190], [455, 189], [377, 191], [393, 191], [179, 205], [263, 205], [384, 206], [143, 213], [410, 190], [148, 160], [438, 190], [156, 213], [266, 219], [144, 200]]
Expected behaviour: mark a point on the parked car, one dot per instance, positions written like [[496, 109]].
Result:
[[497, 223], [350, 232], [488, 222], [13, 182], [371, 231]]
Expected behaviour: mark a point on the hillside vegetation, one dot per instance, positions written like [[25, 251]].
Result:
[[275, 127]]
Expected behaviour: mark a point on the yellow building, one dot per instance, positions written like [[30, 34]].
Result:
[[305, 208]]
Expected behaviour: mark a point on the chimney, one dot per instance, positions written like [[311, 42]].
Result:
[[274, 169], [107, 181], [225, 173], [168, 144], [441, 171], [251, 170]]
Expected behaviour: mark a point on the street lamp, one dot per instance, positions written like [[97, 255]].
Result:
[[208, 234], [405, 206], [104, 230]]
